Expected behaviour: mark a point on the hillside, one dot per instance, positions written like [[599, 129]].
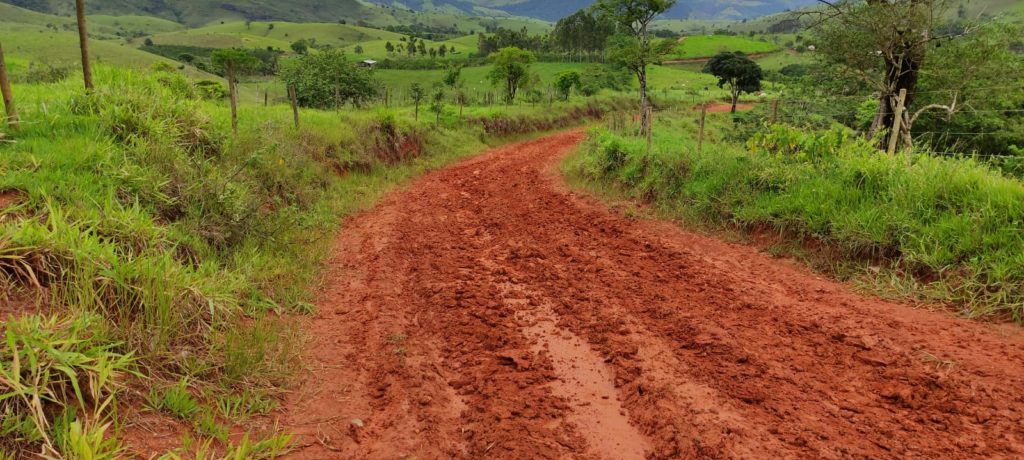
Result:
[[553, 11], [379, 12]]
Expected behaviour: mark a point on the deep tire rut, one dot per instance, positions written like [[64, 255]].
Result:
[[486, 312]]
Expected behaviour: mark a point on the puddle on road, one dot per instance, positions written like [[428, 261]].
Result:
[[588, 384]]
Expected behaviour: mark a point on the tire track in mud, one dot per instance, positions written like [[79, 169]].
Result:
[[487, 312]]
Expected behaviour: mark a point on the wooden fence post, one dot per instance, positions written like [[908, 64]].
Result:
[[650, 127], [295, 104], [775, 111], [8, 96], [700, 134], [897, 122], [266, 97]]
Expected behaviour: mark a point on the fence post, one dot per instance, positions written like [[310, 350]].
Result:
[[5, 88], [775, 111], [700, 135], [897, 122], [266, 97], [295, 104], [650, 127]]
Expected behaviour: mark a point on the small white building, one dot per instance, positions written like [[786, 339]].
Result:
[[369, 63]]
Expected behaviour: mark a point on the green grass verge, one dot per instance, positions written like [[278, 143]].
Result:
[[945, 230]]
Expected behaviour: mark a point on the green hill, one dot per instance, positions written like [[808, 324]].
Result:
[[701, 46]]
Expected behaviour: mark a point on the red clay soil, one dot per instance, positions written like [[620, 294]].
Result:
[[487, 312], [726, 108]]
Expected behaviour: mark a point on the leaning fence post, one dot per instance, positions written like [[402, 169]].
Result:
[[897, 122], [293, 98]]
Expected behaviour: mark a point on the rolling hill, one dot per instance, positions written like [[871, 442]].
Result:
[[382, 12]]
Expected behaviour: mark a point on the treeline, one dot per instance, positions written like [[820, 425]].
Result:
[[582, 33], [201, 58]]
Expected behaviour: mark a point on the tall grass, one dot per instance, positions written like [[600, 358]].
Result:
[[952, 230], [164, 249]]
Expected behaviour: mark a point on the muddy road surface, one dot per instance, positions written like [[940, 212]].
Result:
[[485, 311]]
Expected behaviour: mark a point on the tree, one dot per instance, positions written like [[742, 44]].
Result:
[[389, 47], [736, 70], [417, 93], [442, 50], [234, 62], [583, 32], [83, 42], [422, 48], [511, 70], [358, 49], [300, 47], [636, 50], [453, 76], [565, 82], [8, 96], [186, 58], [328, 79], [270, 27], [884, 44], [437, 103], [148, 41]]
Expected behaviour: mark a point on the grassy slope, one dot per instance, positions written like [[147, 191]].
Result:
[[287, 32], [29, 43], [945, 230], [698, 46]]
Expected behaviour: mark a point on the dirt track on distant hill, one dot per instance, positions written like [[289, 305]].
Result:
[[484, 311]]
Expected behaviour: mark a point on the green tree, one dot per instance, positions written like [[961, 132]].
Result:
[[453, 76], [358, 49], [442, 50], [736, 70], [511, 70], [437, 103], [300, 47], [234, 62], [389, 47], [635, 50], [328, 79], [885, 45], [417, 93], [565, 82]]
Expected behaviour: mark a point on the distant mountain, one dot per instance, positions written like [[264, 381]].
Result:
[[199, 12]]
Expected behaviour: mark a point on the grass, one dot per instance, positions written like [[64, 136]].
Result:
[[36, 44], [166, 250], [940, 229], [700, 46]]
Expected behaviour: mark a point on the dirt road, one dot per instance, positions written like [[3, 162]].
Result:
[[487, 312]]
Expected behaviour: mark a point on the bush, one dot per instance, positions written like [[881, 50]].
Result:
[[328, 78]]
